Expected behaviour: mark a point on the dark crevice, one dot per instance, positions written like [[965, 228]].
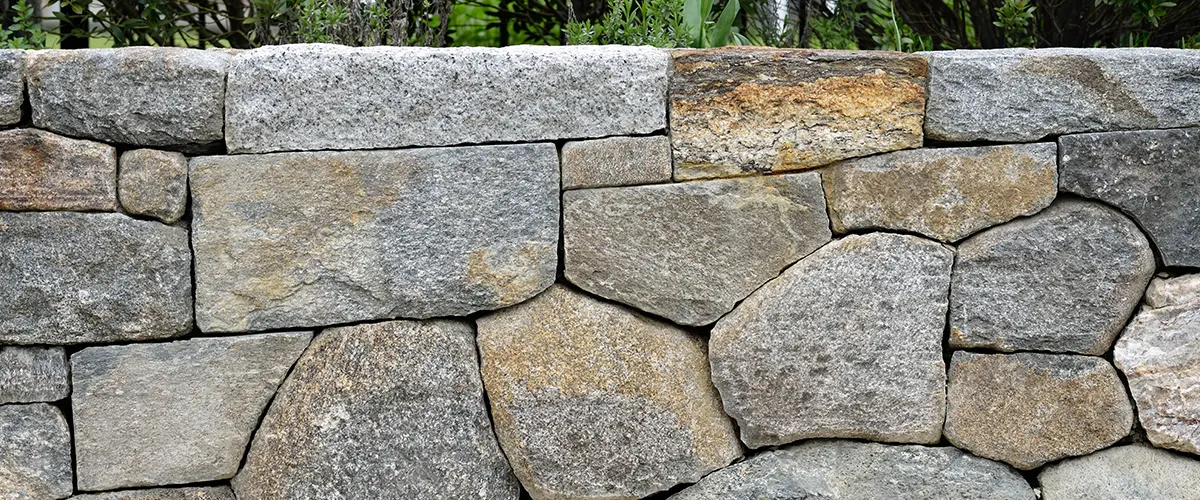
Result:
[[487, 410], [262, 416], [202, 484], [556, 141], [64, 406]]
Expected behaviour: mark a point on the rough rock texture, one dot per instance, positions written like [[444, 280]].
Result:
[[846, 343], [1150, 175], [616, 161], [144, 96], [43, 171], [946, 193], [1122, 473], [297, 97], [1175, 291], [689, 252], [35, 453], [69, 278], [154, 183], [592, 400], [854, 470], [739, 111], [12, 86], [1028, 409], [1021, 95], [1064, 280], [204, 493], [32, 374], [307, 239]]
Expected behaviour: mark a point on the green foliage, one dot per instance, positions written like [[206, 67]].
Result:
[[25, 32], [1015, 18], [352, 22], [662, 23]]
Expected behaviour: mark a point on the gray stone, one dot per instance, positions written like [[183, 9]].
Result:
[[592, 400], [1150, 175], [70, 278], [391, 410], [1027, 409], [616, 161], [846, 343], [306, 97], [180, 412], [12, 86], [690, 251], [308, 239], [1021, 95], [154, 183], [44, 171], [195, 493], [33, 374], [35, 453], [1122, 473], [854, 470], [1064, 280]]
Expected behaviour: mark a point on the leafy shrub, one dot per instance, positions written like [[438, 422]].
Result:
[[25, 32], [662, 23]]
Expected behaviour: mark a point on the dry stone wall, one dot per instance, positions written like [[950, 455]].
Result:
[[320, 272]]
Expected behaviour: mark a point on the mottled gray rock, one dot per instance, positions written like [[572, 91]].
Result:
[[1064, 280], [70, 278], [592, 400], [846, 343], [44, 171], [35, 453], [12, 86], [33, 374], [616, 161], [309, 239], [1122, 473], [690, 251], [201, 493], [172, 413], [854, 470], [299, 97], [154, 183], [391, 410], [1021, 95], [144, 96], [1027, 409], [1150, 175]]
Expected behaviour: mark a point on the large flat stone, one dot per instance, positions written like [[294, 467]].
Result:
[[154, 183], [308, 239], [846, 343], [592, 400], [35, 453], [193, 493], [12, 86], [616, 161], [70, 278], [33, 374], [1122, 473], [306, 97], [44, 171]]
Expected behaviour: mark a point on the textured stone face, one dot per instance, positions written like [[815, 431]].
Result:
[[32, 374], [740, 111], [44, 171], [308, 239], [385, 411], [690, 251], [616, 161], [846, 343], [1121, 473], [12, 86], [70, 278], [1176, 291], [1021, 95], [1151, 175], [35, 452], [154, 183], [206, 493], [1064, 280], [945, 193], [1028, 409], [592, 400], [299, 97]]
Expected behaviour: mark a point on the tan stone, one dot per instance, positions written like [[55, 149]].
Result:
[[44, 171], [616, 161], [154, 183]]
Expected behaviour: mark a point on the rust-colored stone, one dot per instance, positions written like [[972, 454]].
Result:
[[44, 171]]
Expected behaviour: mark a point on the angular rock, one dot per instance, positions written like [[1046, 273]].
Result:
[[1064, 280], [1122, 473], [1176, 291], [592, 400], [616, 161], [33, 374], [1027, 409], [194, 493], [1021, 95], [70, 278], [144, 96], [154, 183], [740, 111], [296, 97], [44, 171], [12, 86], [690, 251], [853, 470], [946, 193], [35, 452], [846, 343], [309, 239], [391, 410], [172, 413], [1150, 175]]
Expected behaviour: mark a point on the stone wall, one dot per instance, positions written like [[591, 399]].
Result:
[[318, 272]]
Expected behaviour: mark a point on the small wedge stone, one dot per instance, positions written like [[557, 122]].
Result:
[[154, 183], [33, 374], [616, 161], [12, 86]]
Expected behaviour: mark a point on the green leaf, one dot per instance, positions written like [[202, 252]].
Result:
[[692, 18], [725, 23]]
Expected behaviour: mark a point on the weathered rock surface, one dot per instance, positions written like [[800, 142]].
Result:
[[616, 161], [12, 86], [43, 171], [1177, 291], [1122, 473], [1064, 280], [846, 343], [33, 374], [690, 251], [390, 410], [854, 470], [35, 452], [1021, 95], [740, 111], [70, 278], [1028, 409], [1150, 175], [296, 97], [946, 194], [592, 400], [203, 493], [154, 183], [308, 239]]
